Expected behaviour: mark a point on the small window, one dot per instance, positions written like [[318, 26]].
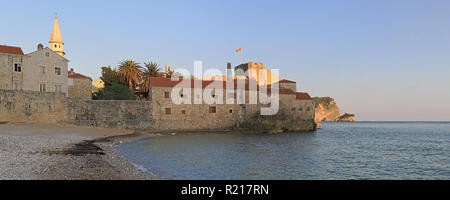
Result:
[[308, 109], [166, 95], [47, 54], [231, 111], [212, 109], [42, 69], [293, 109], [183, 112], [42, 87], [213, 96], [168, 111], [181, 95], [17, 67], [300, 109], [57, 70]]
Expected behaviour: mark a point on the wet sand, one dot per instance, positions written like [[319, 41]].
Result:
[[53, 152]]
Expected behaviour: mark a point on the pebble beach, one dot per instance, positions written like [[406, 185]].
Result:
[[52, 152]]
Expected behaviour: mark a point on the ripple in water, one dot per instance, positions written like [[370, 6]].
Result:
[[364, 150]]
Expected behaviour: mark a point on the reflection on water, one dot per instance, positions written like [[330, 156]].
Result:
[[365, 150]]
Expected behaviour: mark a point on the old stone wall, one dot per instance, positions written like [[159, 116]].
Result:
[[160, 114], [80, 88], [294, 115], [30, 106], [110, 114], [37, 107]]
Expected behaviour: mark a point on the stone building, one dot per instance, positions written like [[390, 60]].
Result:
[[296, 109], [97, 85], [43, 70], [79, 86], [258, 72], [11, 66]]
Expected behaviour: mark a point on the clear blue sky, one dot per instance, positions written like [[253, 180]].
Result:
[[380, 59]]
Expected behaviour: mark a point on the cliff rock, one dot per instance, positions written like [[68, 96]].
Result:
[[328, 111]]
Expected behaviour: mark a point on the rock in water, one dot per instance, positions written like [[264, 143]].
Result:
[[346, 118], [328, 111]]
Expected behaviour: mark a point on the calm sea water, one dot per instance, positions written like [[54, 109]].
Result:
[[363, 150]]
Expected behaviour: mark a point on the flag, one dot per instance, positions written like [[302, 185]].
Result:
[[237, 50]]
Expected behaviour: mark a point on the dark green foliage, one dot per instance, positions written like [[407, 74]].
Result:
[[109, 75], [114, 91], [325, 101]]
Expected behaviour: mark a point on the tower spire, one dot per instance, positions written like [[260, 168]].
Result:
[[56, 41]]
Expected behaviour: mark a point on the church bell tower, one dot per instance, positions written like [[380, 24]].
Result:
[[56, 42]]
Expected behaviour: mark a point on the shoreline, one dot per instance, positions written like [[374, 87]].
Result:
[[31, 151]]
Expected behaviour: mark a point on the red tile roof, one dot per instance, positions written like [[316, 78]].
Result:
[[167, 82], [76, 75], [286, 81], [11, 50], [303, 96]]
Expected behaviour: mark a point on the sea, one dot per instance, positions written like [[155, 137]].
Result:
[[336, 151]]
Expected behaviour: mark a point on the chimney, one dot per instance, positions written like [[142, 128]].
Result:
[[40, 47], [229, 72]]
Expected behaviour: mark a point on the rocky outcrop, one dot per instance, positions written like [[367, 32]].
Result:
[[346, 118], [328, 111]]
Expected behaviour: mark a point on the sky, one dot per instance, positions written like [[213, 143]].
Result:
[[384, 60]]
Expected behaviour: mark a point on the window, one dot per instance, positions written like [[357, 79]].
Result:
[[308, 109], [42, 87], [17, 67], [17, 86], [300, 109], [47, 54], [42, 69], [212, 109], [183, 112], [182, 95], [57, 70], [166, 95], [58, 88], [168, 111], [231, 111]]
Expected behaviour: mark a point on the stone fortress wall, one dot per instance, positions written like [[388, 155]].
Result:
[[55, 108], [294, 114], [37, 107]]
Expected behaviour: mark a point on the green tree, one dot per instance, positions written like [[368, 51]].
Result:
[[150, 69], [109, 75], [115, 91], [130, 72]]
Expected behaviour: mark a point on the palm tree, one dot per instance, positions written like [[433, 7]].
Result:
[[151, 69], [130, 72]]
